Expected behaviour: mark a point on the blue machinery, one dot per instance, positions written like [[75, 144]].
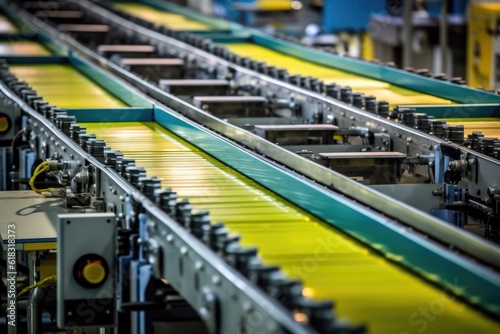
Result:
[[151, 241]]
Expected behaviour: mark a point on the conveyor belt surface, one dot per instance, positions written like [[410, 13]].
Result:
[[395, 95], [65, 87], [381, 90], [6, 26], [490, 127], [366, 287], [22, 48], [275, 5], [170, 20]]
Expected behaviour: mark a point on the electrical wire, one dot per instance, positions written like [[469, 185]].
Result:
[[41, 168], [13, 145], [46, 282]]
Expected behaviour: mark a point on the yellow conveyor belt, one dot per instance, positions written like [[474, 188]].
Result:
[[383, 91], [366, 287], [65, 87], [490, 127], [395, 95], [276, 5], [6, 26], [22, 48], [170, 20]]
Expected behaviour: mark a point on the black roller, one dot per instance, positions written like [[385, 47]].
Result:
[[183, 210], [346, 94], [167, 201], [200, 223]]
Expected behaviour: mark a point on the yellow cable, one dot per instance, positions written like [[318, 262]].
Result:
[[46, 282], [35, 174], [43, 167], [40, 166], [32, 180]]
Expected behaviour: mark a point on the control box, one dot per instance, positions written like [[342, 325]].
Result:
[[86, 271]]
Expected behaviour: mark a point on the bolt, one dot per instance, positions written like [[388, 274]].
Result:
[[198, 265], [247, 306]]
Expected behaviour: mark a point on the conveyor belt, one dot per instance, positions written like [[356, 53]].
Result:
[[18, 47], [274, 5], [170, 20], [366, 287], [383, 91], [66, 87], [22, 48], [490, 127], [6, 26]]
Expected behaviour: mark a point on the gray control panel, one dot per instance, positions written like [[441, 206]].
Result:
[[86, 275]]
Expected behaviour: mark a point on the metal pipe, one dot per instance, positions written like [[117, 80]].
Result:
[[408, 33], [443, 36], [33, 311], [32, 268]]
